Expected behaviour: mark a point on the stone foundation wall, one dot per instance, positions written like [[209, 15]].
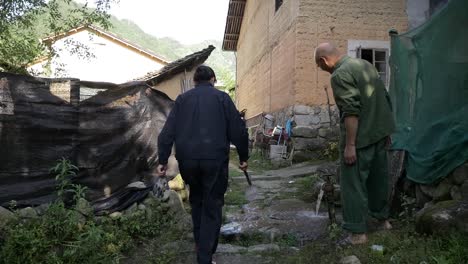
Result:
[[444, 204], [453, 187], [313, 129]]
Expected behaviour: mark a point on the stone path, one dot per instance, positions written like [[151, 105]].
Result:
[[272, 220]]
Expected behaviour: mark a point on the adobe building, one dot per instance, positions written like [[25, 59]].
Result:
[[276, 72]]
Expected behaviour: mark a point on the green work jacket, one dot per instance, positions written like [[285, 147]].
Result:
[[358, 91]]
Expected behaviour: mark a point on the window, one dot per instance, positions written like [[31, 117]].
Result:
[[378, 58], [376, 52], [278, 3]]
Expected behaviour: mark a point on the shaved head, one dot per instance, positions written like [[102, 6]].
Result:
[[326, 55], [326, 49]]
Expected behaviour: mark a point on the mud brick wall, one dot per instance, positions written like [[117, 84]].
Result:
[[276, 68]]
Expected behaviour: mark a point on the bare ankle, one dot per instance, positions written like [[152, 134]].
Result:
[[359, 238], [387, 225]]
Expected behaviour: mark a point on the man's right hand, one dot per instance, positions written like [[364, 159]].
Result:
[[243, 166], [161, 170], [350, 155]]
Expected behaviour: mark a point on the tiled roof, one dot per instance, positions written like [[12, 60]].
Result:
[[233, 24], [178, 66]]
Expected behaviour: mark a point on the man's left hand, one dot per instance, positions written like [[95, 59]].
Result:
[[350, 155], [161, 170]]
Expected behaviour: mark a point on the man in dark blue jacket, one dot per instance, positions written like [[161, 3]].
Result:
[[203, 123]]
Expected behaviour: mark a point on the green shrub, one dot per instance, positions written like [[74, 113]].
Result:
[[64, 235]]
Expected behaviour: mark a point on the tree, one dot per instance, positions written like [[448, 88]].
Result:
[[24, 22], [227, 77]]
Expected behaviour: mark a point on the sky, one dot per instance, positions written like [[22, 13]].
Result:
[[188, 21]]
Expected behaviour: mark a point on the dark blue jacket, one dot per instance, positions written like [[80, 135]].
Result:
[[202, 124]]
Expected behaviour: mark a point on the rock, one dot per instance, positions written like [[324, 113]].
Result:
[[5, 217], [230, 249], [132, 209], [460, 174], [309, 143], [443, 217], [317, 109], [350, 260], [304, 155], [150, 201], [183, 222], [442, 191], [464, 190], [302, 110], [166, 194], [421, 198], [115, 215], [428, 189], [175, 202], [41, 209], [324, 116], [263, 248], [330, 133], [141, 207], [455, 193], [304, 131], [84, 207], [180, 246], [137, 184], [306, 120], [322, 132], [27, 212]]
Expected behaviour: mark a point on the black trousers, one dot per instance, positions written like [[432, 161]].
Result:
[[208, 180]]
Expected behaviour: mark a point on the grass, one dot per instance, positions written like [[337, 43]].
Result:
[[257, 162], [255, 238], [235, 194], [64, 235], [401, 246], [235, 172], [305, 187]]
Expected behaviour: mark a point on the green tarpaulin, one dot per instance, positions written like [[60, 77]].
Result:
[[429, 89]]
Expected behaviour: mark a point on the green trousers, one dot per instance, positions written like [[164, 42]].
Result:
[[364, 187]]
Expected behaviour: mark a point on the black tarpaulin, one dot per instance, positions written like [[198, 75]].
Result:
[[111, 136]]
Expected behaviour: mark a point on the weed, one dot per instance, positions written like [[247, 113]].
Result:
[[235, 197], [331, 152], [235, 173], [63, 235], [334, 231], [65, 172], [402, 246], [409, 208], [305, 188], [259, 163], [245, 240], [289, 240], [235, 194]]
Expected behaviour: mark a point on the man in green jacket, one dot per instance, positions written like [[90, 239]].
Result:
[[366, 122]]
